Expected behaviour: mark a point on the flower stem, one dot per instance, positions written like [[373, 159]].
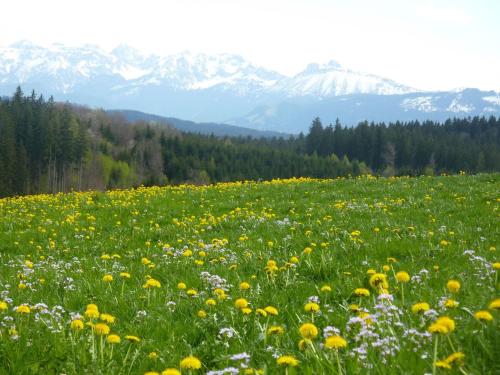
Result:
[[435, 355], [338, 361]]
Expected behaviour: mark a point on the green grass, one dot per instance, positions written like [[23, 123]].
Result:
[[55, 250]]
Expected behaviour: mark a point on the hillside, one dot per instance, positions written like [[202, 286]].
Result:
[[220, 130]]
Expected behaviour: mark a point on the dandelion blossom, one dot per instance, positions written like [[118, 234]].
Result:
[[271, 310], [402, 277], [420, 307], [308, 331], [311, 307], [451, 304], [241, 303], [335, 342], [447, 322], [101, 329], [275, 330], [132, 338], [76, 325], [23, 309], [453, 286], [171, 371], [361, 292], [287, 361], [190, 363], [113, 339], [483, 316], [443, 365], [378, 280], [495, 304]]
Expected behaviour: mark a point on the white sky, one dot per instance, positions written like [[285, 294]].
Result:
[[441, 44]]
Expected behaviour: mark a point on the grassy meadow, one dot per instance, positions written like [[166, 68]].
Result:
[[364, 275]]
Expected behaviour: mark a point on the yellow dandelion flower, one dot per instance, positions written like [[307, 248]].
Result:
[[402, 277], [241, 303], [76, 325], [101, 329], [420, 307], [271, 310], [335, 342], [3, 305], [451, 304], [483, 316], [151, 373], [190, 363], [153, 355], [124, 275], [378, 280], [108, 318], [496, 266], [453, 286], [353, 307], [113, 339], [23, 309], [287, 361], [438, 328], [191, 292], [326, 289], [107, 278], [308, 331], [495, 304], [133, 339], [246, 310], [91, 313], [210, 302], [152, 283], [311, 307], [447, 322], [171, 371], [455, 357], [261, 312], [275, 330], [244, 285], [202, 314], [181, 286], [361, 292], [443, 365]]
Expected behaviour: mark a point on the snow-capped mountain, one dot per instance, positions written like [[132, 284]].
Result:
[[23, 61], [332, 79], [222, 88]]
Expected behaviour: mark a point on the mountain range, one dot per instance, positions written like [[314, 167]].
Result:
[[226, 88]]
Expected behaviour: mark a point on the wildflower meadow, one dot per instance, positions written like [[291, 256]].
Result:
[[302, 276]]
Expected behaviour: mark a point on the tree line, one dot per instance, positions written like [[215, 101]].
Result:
[[412, 148], [48, 147]]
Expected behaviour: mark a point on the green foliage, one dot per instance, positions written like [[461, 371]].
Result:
[[55, 251]]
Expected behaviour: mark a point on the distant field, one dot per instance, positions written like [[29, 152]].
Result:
[[291, 276]]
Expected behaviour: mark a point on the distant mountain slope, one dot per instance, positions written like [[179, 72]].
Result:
[[201, 128], [295, 114]]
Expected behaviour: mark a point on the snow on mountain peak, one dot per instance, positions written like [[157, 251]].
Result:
[[67, 67]]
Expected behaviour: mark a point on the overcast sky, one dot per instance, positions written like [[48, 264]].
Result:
[[440, 44]]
